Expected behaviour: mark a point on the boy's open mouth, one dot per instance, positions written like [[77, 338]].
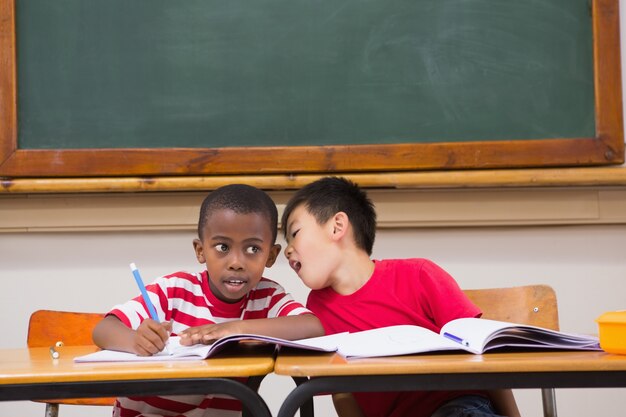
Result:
[[234, 283], [295, 265]]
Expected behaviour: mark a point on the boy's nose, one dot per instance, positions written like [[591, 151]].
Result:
[[288, 251], [235, 267], [235, 263]]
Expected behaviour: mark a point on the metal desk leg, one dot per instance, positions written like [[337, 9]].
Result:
[[253, 382], [303, 393], [306, 409], [548, 396]]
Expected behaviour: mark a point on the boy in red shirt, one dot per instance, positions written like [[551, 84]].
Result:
[[330, 226]]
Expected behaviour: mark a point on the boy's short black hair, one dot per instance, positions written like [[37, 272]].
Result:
[[242, 199], [328, 196]]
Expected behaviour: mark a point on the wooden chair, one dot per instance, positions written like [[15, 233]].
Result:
[[53, 328], [532, 304]]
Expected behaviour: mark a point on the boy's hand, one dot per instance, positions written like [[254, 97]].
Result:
[[209, 333], [151, 337]]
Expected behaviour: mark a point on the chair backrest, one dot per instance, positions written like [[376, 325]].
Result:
[[48, 327], [534, 305], [531, 304]]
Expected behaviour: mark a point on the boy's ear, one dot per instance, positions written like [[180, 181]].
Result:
[[198, 248], [274, 252], [340, 224]]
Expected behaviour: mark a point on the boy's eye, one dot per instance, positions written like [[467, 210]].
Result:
[[221, 247], [294, 233], [251, 250]]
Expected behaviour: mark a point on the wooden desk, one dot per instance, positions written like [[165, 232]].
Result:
[[29, 374], [330, 373]]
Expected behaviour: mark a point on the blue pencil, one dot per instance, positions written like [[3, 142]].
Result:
[[146, 298], [144, 293]]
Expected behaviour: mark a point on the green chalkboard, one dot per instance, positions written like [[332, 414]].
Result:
[[95, 88], [215, 73]]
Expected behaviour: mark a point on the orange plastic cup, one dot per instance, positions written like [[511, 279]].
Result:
[[612, 331]]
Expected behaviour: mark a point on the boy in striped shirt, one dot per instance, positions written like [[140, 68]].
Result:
[[236, 241]]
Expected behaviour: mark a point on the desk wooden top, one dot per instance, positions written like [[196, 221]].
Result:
[[35, 365], [303, 364]]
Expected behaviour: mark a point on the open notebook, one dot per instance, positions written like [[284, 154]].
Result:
[[467, 334], [176, 351]]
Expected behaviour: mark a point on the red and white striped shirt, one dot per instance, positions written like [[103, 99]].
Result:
[[186, 300]]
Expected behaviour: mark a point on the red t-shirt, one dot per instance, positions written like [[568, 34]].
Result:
[[400, 291]]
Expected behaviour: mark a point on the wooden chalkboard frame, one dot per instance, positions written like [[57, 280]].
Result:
[[606, 147]]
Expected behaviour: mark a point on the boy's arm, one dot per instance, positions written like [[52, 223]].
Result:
[[288, 327], [148, 339], [346, 405], [504, 402]]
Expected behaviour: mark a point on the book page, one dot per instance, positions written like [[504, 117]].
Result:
[[319, 344], [175, 352], [473, 332], [480, 335], [394, 340], [329, 343]]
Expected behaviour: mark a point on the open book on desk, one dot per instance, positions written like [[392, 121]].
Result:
[[178, 352], [469, 334]]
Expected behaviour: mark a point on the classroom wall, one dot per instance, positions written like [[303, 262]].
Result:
[[87, 270]]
